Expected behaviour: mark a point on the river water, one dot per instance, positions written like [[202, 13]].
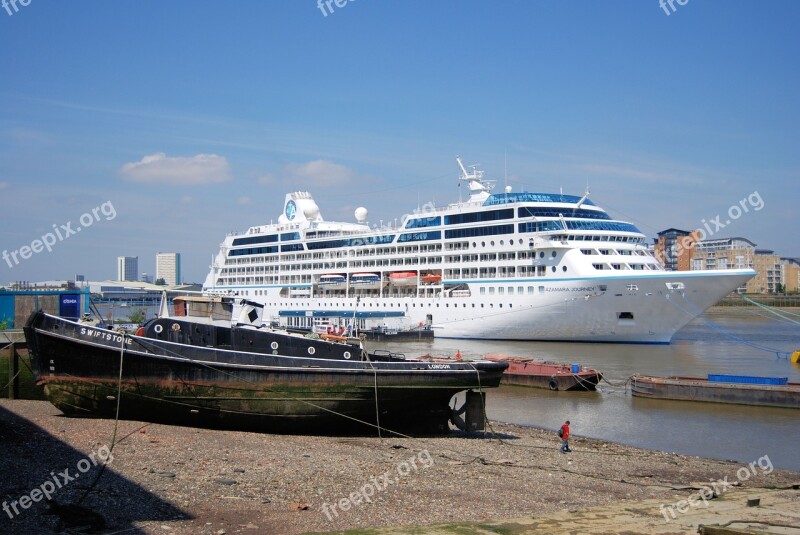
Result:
[[710, 344]]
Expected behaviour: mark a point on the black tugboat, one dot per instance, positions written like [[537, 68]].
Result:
[[218, 373]]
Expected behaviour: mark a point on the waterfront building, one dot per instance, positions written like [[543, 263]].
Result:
[[168, 267], [127, 268], [673, 248], [18, 303], [790, 274], [741, 253]]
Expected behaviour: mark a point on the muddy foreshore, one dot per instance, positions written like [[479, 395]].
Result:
[[180, 480]]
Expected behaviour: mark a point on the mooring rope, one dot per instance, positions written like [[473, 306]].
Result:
[[772, 310], [778, 353], [116, 423]]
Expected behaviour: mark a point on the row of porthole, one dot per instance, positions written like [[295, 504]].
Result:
[[311, 350], [175, 327], [491, 243]]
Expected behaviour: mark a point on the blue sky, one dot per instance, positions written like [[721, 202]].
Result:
[[193, 119]]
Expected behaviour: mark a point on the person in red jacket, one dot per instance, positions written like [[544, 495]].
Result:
[[564, 434]]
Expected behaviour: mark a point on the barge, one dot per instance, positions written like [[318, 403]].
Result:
[[525, 371], [743, 390]]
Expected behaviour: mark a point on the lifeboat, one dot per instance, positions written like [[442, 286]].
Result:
[[331, 279], [332, 282], [404, 278], [365, 280], [431, 278]]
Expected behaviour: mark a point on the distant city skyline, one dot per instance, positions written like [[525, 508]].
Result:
[[687, 119]]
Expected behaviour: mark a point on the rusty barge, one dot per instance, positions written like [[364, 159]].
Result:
[[526, 371]]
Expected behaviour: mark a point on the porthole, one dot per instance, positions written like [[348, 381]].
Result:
[[483, 244], [175, 328], [274, 345], [347, 355], [311, 350], [158, 329], [541, 254], [563, 268], [554, 269], [502, 242], [553, 254]]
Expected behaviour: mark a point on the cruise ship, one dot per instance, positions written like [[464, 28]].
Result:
[[506, 266]]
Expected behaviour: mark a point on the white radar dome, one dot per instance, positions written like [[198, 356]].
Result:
[[361, 214], [508, 189]]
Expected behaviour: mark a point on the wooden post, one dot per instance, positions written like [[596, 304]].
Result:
[[13, 365]]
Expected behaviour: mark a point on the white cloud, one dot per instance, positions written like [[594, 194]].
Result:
[[187, 199], [242, 201], [4, 185], [267, 178], [318, 173], [182, 171]]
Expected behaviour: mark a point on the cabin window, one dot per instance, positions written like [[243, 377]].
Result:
[[501, 290], [491, 291], [483, 290]]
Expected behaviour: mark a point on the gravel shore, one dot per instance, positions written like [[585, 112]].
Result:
[[179, 480]]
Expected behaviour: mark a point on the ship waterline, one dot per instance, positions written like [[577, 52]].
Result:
[[512, 266]]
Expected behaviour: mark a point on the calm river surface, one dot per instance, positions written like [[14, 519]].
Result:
[[736, 432]]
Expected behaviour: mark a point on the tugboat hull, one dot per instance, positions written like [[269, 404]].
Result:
[[80, 368]]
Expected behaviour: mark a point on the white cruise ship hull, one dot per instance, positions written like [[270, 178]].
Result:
[[649, 308]]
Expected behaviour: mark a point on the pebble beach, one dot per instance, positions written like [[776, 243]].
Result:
[[183, 480]]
